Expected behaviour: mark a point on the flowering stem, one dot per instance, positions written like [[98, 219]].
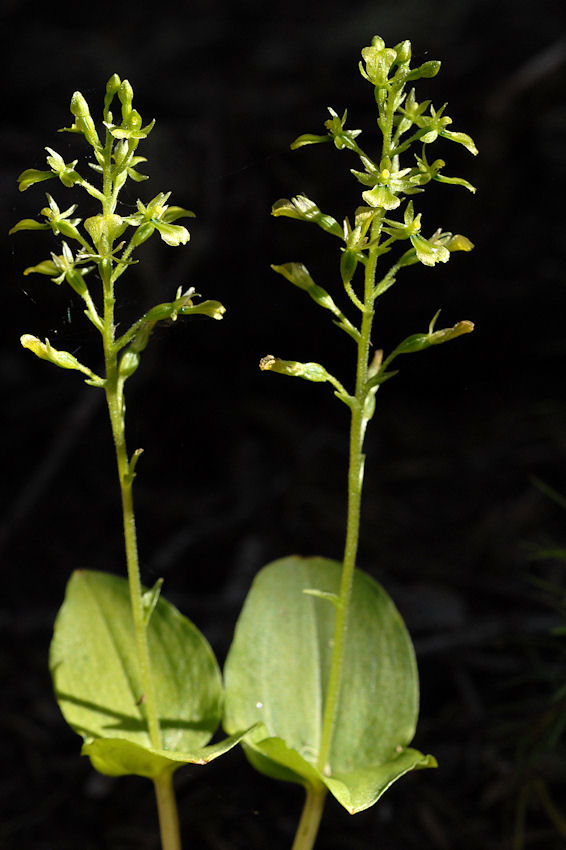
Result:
[[114, 388], [358, 424]]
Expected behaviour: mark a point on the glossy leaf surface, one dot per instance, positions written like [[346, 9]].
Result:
[[277, 673]]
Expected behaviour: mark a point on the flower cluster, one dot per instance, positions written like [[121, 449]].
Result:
[[389, 181], [106, 241]]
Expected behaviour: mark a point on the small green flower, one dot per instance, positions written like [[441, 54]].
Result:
[[389, 182], [158, 215], [342, 138], [63, 359], [64, 267], [435, 125], [410, 227], [378, 61], [426, 172], [131, 128], [429, 251], [64, 171], [304, 209]]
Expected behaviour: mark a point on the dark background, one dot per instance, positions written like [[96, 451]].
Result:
[[242, 467]]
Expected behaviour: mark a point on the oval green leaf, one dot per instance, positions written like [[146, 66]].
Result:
[[93, 663], [277, 671]]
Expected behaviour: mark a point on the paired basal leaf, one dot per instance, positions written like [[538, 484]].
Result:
[[277, 672], [94, 665]]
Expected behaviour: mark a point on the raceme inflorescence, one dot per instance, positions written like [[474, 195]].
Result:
[[347, 728]]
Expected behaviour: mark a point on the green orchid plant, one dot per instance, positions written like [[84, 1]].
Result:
[[132, 676], [321, 661]]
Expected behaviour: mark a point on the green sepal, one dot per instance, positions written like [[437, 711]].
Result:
[[136, 176], [461, 139], [303, 209], [32, 175], [173, 213], [46, 267], [457, 181], [28, 224], [94, 666], [277, 672], [309, 139]]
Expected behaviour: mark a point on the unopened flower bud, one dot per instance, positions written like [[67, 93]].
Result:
[[403, 51], [126, 95], [128, 364], [79, 106], [430, 68], [84, 122], [113, 85]]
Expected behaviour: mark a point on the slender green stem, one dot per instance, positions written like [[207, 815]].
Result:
[[115, 401], [310, 818], [167, 810], [114, 387], [355, 482]]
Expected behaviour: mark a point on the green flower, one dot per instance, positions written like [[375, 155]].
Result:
[[131, 128], [435, 125], [335, 125], [428, 251], [303, 209], [158, 215], [63, 359], [388, 182], [378, 60], [426, 172], [64, 171], [342, 138], [64, 267]]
